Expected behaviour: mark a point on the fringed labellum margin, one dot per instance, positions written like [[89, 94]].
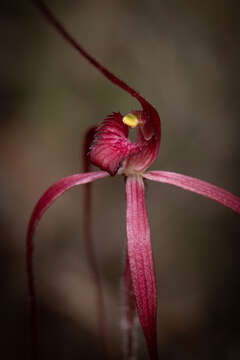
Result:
[[112, 150]]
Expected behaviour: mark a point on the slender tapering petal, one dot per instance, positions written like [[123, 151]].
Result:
[[54, 192], [201, 187], [141, 261]]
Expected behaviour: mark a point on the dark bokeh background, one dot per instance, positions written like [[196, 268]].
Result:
[[184, 57]]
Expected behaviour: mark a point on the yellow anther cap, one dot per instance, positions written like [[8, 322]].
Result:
[[130, 120]]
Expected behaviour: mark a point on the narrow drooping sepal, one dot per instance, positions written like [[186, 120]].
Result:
[[111, 145], [201, 187], [141, 261], [57, 190], [54, 192]]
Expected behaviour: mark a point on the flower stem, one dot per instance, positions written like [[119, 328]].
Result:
[[89, 246]]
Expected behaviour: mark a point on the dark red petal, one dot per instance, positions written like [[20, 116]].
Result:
[[198, 186], [111, 145], [55, 191], [141, 261]]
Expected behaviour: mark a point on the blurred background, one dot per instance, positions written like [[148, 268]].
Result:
[[184, 57]]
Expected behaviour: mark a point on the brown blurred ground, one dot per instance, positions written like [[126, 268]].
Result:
[[184, 57]]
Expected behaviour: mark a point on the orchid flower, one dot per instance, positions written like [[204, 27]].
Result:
[[112, 151]]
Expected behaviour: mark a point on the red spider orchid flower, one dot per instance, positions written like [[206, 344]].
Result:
[[113, 152]]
